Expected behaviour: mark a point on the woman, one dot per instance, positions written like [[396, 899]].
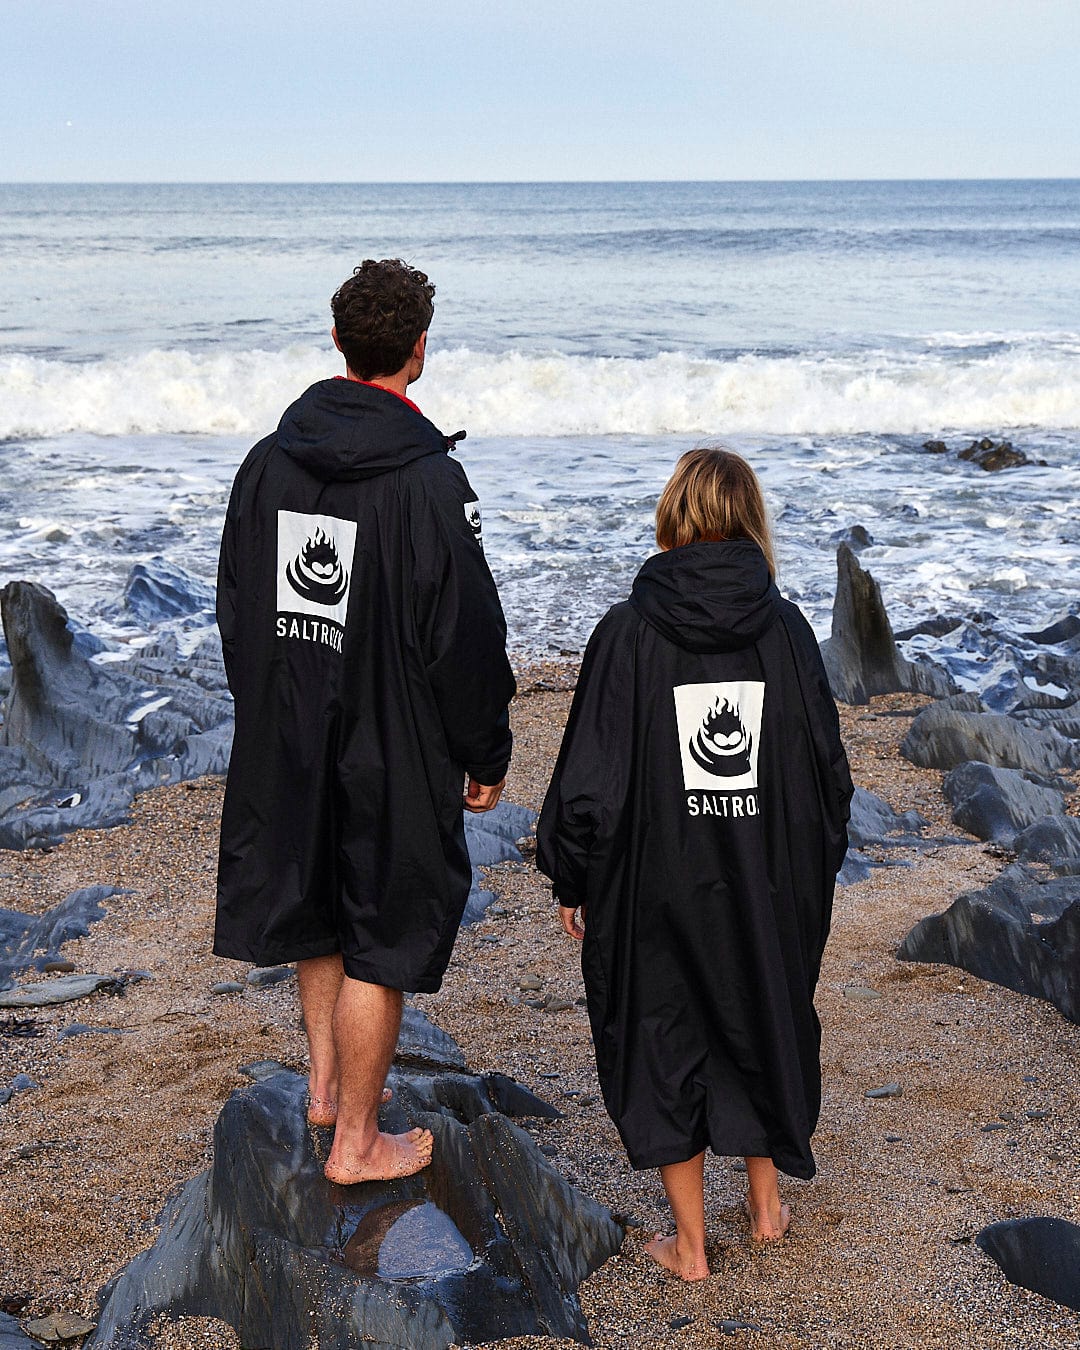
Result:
[[697, 815]]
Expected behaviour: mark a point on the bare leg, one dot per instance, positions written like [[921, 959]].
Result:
[[366, 1021], [684, 1254], [769, 1219], [320, 980]]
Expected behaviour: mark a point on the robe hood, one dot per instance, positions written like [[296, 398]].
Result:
[[342, 431], [708, 597]]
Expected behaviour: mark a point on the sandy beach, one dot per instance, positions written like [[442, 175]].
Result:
[[881, 1252]]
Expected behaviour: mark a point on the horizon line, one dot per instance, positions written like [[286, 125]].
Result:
[[514, 182]]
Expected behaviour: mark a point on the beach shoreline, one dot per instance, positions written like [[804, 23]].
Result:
[[881, 1254]]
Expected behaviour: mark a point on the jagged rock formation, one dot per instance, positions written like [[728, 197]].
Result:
[[34, 940], [1022, 931], [874, 824], [955, 730], [80, 738], [996, 804], [1040, 1254], [489, 1242], [861, 656]]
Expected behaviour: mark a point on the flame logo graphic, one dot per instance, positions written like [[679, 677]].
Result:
[[316, 572], [722, 745]]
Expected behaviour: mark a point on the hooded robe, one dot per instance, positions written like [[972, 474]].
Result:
[[364, 644], [698, 812]]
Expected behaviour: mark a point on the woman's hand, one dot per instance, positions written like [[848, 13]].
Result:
[[571, 923]]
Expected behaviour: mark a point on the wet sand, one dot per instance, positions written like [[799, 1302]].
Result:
[[881, 1251]]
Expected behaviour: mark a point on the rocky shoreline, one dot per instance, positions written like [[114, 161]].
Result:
[[950, 1103]]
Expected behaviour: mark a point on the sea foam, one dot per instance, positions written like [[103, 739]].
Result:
[[516, 394]]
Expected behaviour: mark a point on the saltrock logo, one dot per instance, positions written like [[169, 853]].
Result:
[[719, 727], [314, 565], [472, 515]]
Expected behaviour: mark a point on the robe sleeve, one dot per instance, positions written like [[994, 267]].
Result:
[[226, 590], [824, 722], [460, 622], [592, 773]]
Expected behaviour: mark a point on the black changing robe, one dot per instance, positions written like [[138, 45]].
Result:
[[365, 648], [698, 811]]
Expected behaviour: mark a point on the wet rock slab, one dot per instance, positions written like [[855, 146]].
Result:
[[947, 734], [996, 804], [492, 839], [24, 935], [488, 1242], [1040, 1254]]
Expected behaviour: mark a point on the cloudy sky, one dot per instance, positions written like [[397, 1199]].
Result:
[[458, 90]]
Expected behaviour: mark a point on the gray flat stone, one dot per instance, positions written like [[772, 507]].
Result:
[[889, 1090], [65, 989]]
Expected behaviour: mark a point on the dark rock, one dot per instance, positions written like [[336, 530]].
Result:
[[1061, 630], [993, 457], [57, 967], [1022, 931], [80, 738], [935, 447], [12, 1336], [997, 804], [889, 1090], [21, 935], [874, 823], [946, 734], [488, 1242], [934, 627], [81, 1029], [993, 1125], [1053, 840], [421, 1042], [677, 1323], [158, 590], [861, 657], [261, 1069], [492, 839], [857, 537], [227, 987], [730, 1325], [1065, 720], [262, 977], [1041, 1254]]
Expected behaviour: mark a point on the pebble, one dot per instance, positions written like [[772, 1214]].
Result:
[[530, 982], [548, 1150], [558, 1005], [260, 1069], [61, 1326], [264, 976], [894, 1139], [549, 1074], [587, 1100], [58, 967], [490, 939], [677, 1323], [994, 1125], [227, 987], [861, 993], [738, 1165], [732, 1324], [1036, 1115], [81, 1029], [1029, 1078], [889, 1090]]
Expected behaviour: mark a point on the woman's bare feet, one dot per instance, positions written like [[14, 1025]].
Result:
[[390, 1156], [323, 1110], [770, 1226], [687, 1265]]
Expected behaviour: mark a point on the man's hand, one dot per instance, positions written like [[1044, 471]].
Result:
[[570, 922], [479, 798]]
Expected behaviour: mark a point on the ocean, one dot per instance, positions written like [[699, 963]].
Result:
[[584, 336]]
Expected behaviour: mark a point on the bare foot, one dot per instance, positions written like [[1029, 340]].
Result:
[[664, 1251], [323, 1110], [765, 1228], [391, 1155]]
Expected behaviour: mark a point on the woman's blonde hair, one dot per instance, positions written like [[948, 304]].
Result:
[[712, 495]]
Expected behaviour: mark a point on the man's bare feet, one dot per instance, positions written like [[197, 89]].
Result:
[[688, 1266], [323, 1110], [390, 1156], [766, 1228]]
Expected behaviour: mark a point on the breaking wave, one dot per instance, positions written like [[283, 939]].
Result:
[[517, 394]]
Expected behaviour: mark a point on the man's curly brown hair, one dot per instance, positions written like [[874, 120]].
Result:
[[379, 313]]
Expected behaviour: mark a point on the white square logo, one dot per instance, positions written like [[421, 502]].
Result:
[[476, 524], [314, 565], [719, 732]]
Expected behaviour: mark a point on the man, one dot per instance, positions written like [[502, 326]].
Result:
[[365, 648]]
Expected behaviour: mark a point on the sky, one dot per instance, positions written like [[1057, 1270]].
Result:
[[537, 90]]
